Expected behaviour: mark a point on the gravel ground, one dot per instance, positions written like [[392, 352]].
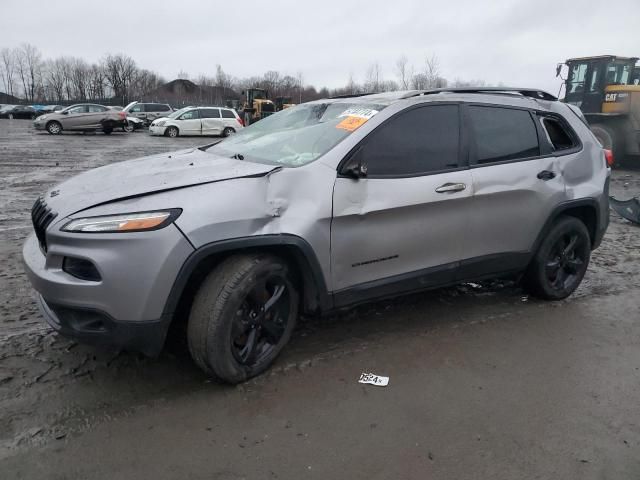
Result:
[[485, 382]]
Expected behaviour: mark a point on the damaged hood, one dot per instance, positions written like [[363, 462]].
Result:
[[147, 175]]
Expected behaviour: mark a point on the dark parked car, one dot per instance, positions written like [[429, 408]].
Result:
[[20, 111]]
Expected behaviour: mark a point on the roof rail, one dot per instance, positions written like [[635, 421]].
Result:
[[525, 92], [349, 95]]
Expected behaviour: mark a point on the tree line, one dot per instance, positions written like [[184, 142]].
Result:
[[25, 74]]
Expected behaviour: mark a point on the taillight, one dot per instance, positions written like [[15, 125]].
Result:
[[122, 115], [240, 121], [608, 156]]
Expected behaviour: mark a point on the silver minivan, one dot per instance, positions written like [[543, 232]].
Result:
[[147, 112], [198, 121]]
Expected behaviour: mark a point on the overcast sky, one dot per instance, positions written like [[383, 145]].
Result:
[[515, 42]]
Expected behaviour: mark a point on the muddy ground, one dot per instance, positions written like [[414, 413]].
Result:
[[485, 382]]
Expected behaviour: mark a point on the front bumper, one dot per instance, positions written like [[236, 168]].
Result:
[[137, 272], [39, 124], [155, 130]]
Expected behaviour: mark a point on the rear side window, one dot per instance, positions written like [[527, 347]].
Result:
[[97, 108], [209, 113], [501, 134], [420, 141], [227, 114], [558, 134], [161, 108]]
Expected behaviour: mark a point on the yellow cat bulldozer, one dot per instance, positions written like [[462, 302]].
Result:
[[256, 105], [607, 90], [283, 102]]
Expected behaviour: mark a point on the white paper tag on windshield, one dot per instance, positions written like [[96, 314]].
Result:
[[373, 379], [358, 112]]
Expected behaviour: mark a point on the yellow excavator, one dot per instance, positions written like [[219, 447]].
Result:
[[607, 90]]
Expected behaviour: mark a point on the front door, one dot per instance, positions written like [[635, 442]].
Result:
[[405, 225], [189, 123], [76, 117]]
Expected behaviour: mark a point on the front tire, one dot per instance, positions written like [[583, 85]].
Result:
[[561, 260], [228, 131], [171, 132], [54, 128], [242, 317]]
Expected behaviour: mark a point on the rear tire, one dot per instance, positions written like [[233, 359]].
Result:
[[54, 128], [561, 260], [228, 131], [107, 131], [171, 132], [242, 317]]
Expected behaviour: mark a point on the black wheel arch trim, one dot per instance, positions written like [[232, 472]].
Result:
[[600, 223], [310, 271]]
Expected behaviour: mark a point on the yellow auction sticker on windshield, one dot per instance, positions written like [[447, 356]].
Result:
[[350, 123]]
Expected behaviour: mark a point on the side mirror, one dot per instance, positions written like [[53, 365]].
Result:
[[558, 69], [355, 167], [66, 112]]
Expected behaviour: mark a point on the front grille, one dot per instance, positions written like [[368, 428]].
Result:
[[41, 216]]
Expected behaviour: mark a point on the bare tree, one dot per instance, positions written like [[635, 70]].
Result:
[[29, 68], [8, 70], [55, 79], [374, 79], [120, 72], [432, 73], [402, 69]]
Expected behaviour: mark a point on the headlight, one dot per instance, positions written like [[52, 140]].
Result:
[[159, 124], [126, 222], [42, 117]]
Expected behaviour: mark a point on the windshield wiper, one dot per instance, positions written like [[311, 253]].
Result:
[[238, 156]]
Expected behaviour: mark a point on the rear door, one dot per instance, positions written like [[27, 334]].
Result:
[[189, 123], [211, 121], [96, 114], [405, 225], [516, 182]]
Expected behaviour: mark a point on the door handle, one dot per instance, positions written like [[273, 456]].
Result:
[[546, 175], [451, 187]]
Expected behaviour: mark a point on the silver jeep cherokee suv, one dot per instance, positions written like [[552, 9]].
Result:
[[321, 206]]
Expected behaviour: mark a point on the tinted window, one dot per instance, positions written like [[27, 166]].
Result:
[[422, 140], [502, 134], [209, 113], [161, 108], [558, 134], [227, 114], [191, 114]]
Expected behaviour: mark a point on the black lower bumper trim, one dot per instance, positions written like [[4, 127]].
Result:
[[97, 328]]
